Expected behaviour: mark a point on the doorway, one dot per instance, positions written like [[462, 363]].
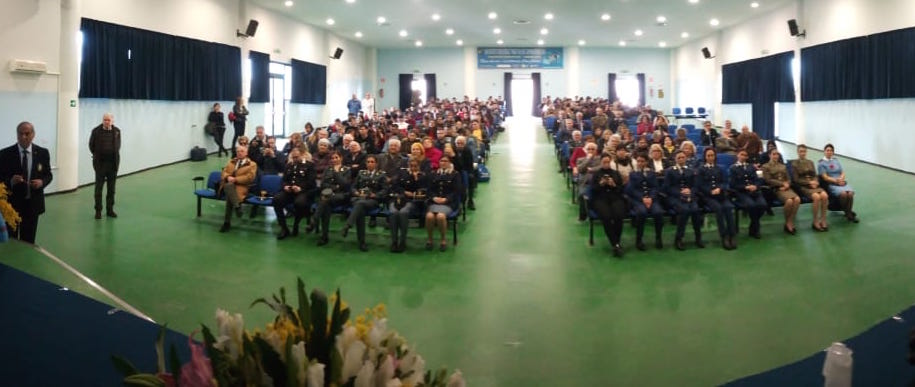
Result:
[[522, 97], [418, 86], [275, 116]]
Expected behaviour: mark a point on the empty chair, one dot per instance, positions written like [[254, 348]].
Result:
[[700, 112], [690, 112]]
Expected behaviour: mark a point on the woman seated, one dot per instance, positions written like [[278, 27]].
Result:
[[644, 127], [745, 183], [367, 193], [297, 188], [661, 123], [681, 137], [775, 174], [608, 202], [408, 192], [419, 153], [680, 186], [656, 160], [689, 150], [584, 167], [444, 193], [334, 191], [711, 189], [804, 176], [764, 158], [831, 172], [643, 193]]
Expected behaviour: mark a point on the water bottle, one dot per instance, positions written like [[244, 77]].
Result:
[[837, 367]]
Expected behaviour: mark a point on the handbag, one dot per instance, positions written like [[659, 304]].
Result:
[[209, 128], [232, 116], [482, 173]]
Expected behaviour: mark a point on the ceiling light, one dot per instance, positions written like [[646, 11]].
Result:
[[288, 3], [581, 42], [713, 22], [381, 20], [436, 17], [548, 16], [605, 17], [350, 1], [662, 44], [693, 1], [403, 33], [499, 42], [459, 42], [544, 31], [493, 16], [539, 42], [754, 5], [497, 30], [449, 31], [684, 35], [623, 43], [638, 32], [330, 21], [419, 43], [358, 34], [661, 19]]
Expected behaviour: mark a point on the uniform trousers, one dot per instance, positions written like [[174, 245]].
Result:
[[755, 205], [611, 214], [686, 210]]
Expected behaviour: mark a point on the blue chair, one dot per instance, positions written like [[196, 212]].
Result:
[[452, 218], [690, 112], [689, 127], [210, 190], [725, 160], [262, 193], [677, 112], [700, 112]]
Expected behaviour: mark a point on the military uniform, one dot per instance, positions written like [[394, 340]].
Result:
[[742, 175], [676, 179], [444, 185], [643, 184], [402, 205], [709, 178], [367, 193], [776, 175], [803, 172], [301, 175], [334, 192]]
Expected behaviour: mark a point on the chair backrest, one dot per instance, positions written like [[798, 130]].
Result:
[[700, 110], [676, 111], [689, 110], [725, 160], [270, 183], [689, 127], [213, 180]]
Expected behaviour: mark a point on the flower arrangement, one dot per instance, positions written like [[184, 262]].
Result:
[[7, 213], [303, 346]]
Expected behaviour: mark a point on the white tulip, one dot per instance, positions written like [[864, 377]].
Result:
[[366, 375], [385, 371], [231, 328], [315, 375], [300, 359], [352, 361], [456, 379]]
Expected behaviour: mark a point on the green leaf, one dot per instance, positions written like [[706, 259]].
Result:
[[160, 350], [124, 366], [336, 365], [292, 369], [144, 380], [174, 362], [317, 346], [261, 301], [304, 308], [271, 361]]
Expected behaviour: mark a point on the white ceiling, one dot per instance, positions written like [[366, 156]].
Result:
[[573, 20]]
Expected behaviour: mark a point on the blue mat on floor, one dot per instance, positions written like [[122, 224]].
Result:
[[880, 358], [57, 337]]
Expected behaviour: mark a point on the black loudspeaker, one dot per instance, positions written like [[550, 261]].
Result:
[[793, 28], [338, 53], [706, 53], [252, 28]]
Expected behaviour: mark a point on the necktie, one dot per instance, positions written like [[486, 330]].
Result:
[[25, 165]]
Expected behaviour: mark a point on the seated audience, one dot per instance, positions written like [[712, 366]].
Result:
[[775, 174], [831, 172], [367, 193], [444, 198], [297, 188], [804, 176], [237, 176], [745, 183], [643, 193], [608, 202], [335, 191], [408, 194], [711, 187]]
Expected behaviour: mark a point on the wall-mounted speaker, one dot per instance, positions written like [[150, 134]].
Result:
[[249, 31], [706, 53], [338, 53], [794, 30]]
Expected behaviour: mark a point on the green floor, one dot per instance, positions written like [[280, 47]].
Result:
[[522, 300]]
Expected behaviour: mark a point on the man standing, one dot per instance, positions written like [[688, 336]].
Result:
[[354, 105], [368, 104], [26, 168], [105, 146]]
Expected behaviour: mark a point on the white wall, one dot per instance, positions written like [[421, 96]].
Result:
[[596, 63], [446, 63]]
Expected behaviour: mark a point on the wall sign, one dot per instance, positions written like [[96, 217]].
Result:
[[519, 58]]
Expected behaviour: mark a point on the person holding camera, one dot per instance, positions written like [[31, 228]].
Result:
[[298, 184], [608, 202], [408, 192], [368, 191], [335, 184], [268, 159]]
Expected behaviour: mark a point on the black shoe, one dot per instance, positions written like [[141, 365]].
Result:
[[658, 243], [345, 230], [395, 248], [755, 235], [733, 243], [295, 229], [472, 207], [373, 223], [640, 245], [112, 214], [443, 246], [678, 244], [363, 247], [429, 245], [401, 247], [283, 234], [725, 244], [617, 251], [322, 240], [98, 214], [699, 243], [225, 227]]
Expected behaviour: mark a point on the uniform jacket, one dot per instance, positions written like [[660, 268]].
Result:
[[677, 178], [11, 164], [642, 185], [446, 185], [338, 181], [301, 174]]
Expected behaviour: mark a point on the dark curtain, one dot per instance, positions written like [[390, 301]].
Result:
[[406, 90], [760, 82], [309, 83], [536, 111], [507, 87], [641, 78], [260, 77], [876, 66], [130, 63], [611, 87], [430, 86]]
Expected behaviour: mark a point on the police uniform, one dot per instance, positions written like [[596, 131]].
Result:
[[676, 179], [444, 184], [302, 175], [336, 184], [401, 206], [643, 184], [742, 175], [709, 178], [368, 191]]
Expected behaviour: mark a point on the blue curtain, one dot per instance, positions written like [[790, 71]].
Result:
[[406, 91], [760, 82], [309, 83], [129, 63], [536, 111], [611, 87], [641, 78], [260, 77], [430, 86], [507, 87], [875, 66]]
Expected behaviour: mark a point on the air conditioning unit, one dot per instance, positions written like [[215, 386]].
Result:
[[28, 66]]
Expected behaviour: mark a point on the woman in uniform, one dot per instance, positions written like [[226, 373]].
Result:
[[367, 193], [680, 185], [711, 186], [804, 175], [608, 202], [775, 174], [408, 191], [444, 193], [831, 172], [745, 183], [334, 192]]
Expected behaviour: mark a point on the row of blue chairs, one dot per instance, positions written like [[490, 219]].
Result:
[[688, 112]]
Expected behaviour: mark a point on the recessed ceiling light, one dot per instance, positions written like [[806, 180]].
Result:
[[497, 30], [713, 22], [605, 17], [544, 31], [499, 42], [436, 17], [449, 31], [402, 33], [330, 21], [419, 43], [493, 16], [350, 1], [288, 3], [693, 1], [623, 43], [662, 44], [539, 42], [684, 35], [358, 34], [459, 42], [661, 19], [638, 32], [381, 20], [581, 42], [548, 16], [754, 5]]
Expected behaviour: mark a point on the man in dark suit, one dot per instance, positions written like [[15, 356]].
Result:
[[26, 169], [105, 146]]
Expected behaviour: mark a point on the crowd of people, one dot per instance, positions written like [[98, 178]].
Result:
[[418, 163], [656, 173]]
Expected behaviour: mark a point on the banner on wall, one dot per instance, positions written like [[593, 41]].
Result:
[[519, 58]]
